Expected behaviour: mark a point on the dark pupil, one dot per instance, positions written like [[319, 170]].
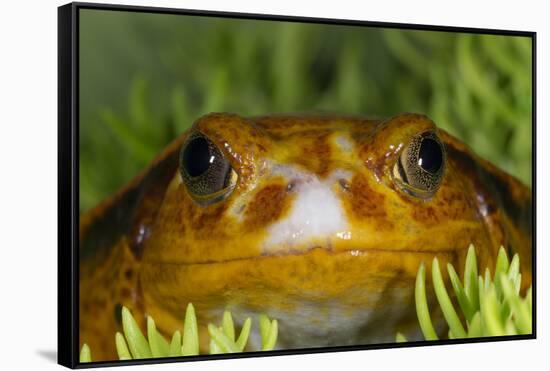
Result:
[[430, 157], [196, 157]]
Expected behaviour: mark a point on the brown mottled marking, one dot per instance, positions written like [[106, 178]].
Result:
[[315, 149], [364, 201], [451, 205], [267, 206], [201, 222]]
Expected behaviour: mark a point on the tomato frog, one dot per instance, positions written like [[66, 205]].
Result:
[[320, 222]]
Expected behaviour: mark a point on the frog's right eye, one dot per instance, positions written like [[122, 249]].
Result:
[[206, 172], [420, 167]]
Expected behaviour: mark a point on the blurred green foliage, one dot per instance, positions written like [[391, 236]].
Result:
[[146, 77]]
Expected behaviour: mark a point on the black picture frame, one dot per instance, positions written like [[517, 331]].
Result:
[[68, 180]]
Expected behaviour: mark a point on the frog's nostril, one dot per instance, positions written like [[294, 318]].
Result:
[[291, 186], [344, 184]]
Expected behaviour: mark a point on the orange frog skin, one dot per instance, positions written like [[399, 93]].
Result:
[[318, 222]]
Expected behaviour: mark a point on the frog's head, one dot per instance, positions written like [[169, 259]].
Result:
[[251, 188], [269, 208]]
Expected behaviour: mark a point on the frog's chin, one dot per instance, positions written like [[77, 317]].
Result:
[[318, 293]]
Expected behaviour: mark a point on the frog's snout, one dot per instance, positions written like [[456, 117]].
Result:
[[315, 215]]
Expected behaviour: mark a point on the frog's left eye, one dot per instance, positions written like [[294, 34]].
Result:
[[420, 167], [206, 172]]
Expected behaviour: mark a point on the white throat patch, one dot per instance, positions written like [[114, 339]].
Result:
[[316, 215]]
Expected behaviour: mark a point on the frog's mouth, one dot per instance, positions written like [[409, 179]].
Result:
[[329, 251]]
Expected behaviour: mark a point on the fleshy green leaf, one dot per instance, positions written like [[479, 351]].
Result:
[[470, 277], [400, 338], [269, 343], [474, 327], [463, 301], [228, 326], [445, 302], [245, 332], [482, 290], [214, 347], [490, 314], [265, 324], [520, 309], [139, 348], [517, 284], [175, 345], [510, 327], [222, 340], [121, 347], [190, 333], [502, 264], [158, 344], [487, 282], [85, 354], [422, 310], [513, 271]]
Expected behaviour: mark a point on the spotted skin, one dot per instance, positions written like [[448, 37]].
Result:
[[315, 233]]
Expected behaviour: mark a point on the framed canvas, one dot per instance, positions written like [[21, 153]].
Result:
[[242, 185]]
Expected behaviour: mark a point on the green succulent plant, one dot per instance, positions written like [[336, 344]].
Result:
[[487, 306], [133, 344]]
